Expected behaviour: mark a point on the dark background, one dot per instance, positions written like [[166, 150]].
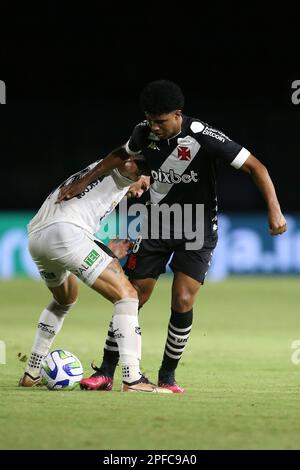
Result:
[[73, 79]]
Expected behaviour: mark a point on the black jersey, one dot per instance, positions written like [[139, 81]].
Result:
[[183, 168]]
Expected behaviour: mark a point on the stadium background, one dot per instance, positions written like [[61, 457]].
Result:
[[73, 96], [72, 82]]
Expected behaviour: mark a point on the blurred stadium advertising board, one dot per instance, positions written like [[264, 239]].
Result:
[[244, 247]]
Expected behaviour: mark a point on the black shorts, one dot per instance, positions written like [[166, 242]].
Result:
[[150, 258]]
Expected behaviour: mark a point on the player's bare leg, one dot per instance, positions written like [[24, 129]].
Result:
[[52, 318], [114, 286], [144, 288], [105, 372], [184, 292], [49, 325]]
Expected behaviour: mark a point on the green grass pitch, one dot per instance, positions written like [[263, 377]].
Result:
[[243, 392]]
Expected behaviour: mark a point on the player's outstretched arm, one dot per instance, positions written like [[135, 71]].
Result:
[[261, 177], [112, 160]]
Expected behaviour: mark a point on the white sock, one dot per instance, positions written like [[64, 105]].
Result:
[[127, 334], [50, 323]]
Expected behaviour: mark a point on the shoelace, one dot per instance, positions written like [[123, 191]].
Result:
[[144, 379], [94, 367], [97, 370]]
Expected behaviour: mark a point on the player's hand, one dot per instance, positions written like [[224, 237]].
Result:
[[138, 188], [120, 248], [70, 190], [277, 223]]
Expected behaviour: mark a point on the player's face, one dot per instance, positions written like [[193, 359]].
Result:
[[165, 125]]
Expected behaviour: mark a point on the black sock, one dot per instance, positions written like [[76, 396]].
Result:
[[109, 362], [110, 354], [179, 329]]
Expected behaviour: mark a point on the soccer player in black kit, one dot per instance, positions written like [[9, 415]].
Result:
[[181, 153]]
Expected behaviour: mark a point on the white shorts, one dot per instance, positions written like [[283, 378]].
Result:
[[62, 248]]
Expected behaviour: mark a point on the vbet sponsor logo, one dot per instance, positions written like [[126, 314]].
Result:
[[2, 92], [296, 94]]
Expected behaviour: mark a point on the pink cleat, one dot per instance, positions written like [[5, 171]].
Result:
[[100, 382], [166, 379], [174, 387]]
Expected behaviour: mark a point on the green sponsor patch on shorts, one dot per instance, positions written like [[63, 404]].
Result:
[[91, 257]]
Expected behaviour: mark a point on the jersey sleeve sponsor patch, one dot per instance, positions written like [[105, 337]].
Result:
[[197, 127], [221, 147]]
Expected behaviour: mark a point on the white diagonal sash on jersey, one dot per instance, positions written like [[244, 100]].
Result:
[[158, 190]]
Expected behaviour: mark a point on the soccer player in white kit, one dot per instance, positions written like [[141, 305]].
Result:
[[63, 246]]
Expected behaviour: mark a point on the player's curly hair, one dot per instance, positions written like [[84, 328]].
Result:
[[160, 97]]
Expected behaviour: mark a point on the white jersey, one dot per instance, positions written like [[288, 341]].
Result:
[[88, 209]]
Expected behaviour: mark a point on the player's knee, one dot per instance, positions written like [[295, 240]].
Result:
[[66, 293], [58, 308], [182, 301], [127, 291], [143, 292], [66, 299], [143, 298]]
